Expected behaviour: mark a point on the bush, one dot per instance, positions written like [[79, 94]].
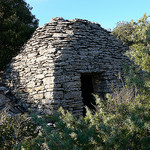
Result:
[[136, 34], [121, 123], [14, 128]]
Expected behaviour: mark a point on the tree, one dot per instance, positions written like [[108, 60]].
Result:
[[124, 31], [140, 49], [16, 26], [136, 34]]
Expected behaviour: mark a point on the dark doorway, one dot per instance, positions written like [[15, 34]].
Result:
[[87, 90]]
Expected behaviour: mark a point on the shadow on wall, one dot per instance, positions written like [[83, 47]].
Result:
[[11, 79]]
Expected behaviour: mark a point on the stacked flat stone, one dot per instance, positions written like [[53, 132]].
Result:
[[46, 73]]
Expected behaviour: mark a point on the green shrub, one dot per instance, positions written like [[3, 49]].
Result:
[[123, 122], [136, 34], [14, 128]]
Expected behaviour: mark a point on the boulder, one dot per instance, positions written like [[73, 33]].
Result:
[[8, 101]]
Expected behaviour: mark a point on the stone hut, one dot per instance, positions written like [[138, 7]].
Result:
[[63, 63]]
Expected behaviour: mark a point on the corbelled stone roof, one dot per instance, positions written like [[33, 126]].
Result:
[[46, 74]]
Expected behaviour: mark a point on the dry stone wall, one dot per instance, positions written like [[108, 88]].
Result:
[[46, 74]]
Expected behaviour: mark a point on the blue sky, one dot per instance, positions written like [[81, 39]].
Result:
[[105, 12]]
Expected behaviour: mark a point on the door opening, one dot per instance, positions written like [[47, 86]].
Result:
[[87, 91]]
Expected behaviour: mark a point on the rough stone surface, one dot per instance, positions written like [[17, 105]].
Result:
[[8, 101], [46, 74]]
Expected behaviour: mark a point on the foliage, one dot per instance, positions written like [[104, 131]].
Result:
[[121, 123], [13, 129], [16, 26], [124, 31], [139, 52]]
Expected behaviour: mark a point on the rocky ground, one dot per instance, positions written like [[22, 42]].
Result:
[[8, 101]]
